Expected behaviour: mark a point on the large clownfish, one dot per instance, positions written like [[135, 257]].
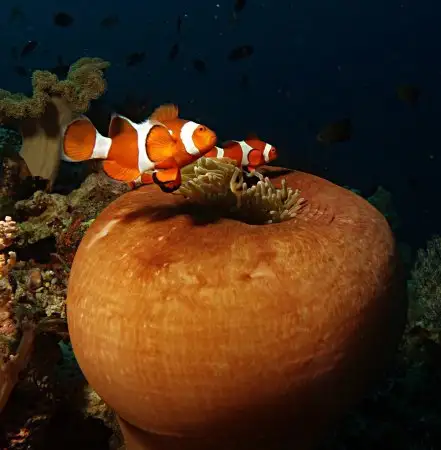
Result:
[[249, 153], [130, 152], [193, 140]]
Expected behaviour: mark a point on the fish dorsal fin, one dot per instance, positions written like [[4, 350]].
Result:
[[228, 144], [119, 125], [165, 112], [252, 136]]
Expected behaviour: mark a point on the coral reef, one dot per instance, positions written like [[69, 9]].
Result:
[[53, 104], [55, 223], [425, 286]]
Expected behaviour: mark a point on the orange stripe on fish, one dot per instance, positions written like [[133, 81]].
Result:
[[249, 153], [131, 149], [193, 139]]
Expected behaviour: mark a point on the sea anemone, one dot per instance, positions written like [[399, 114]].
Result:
[[229, 317], [218, 182]]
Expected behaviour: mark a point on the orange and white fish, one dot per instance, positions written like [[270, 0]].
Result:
[[193, 139], [249, 154], [130, 150]]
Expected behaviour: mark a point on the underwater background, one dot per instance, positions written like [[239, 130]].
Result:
[[313, 63], [348, 91]]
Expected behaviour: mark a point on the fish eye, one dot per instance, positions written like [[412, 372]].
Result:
[[201, 128]]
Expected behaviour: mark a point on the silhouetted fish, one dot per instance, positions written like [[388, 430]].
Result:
[[241, 52], [174, 51], [110, 21], [63, 19], [199, 65], [29, 47], [135, 58]]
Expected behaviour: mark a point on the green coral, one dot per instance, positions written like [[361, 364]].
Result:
[[84, 82], [425, 285]]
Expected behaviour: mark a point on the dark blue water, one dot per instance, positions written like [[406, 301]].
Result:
[[314, 62]]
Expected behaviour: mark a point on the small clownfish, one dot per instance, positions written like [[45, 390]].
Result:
[[130, 150], [193, 139], [249, 154]]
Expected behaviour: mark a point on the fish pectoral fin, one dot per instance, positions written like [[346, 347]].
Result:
[[165, 112], [160, 144], [168, 180], [252, 136], [117, 172]]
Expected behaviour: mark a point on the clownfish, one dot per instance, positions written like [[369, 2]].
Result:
[[249, 154], [130, 150], [193, 140]]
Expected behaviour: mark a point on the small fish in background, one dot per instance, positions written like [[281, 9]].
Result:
[[135, 58], [338, 131], [16, 15], [179, 24], [241, 52], [21, 71], [239, 5], [28, 48], [199, 65], [174, 51], [61, 69], [110, 21], [62, 19], [249, 154], [130, 150], [409, 94]]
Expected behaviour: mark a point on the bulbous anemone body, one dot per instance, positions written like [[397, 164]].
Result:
[[217, 334]]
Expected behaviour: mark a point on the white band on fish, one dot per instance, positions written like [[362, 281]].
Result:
[[246, 148], [266, 152], [220, 152], [187, 137], [102, 146]]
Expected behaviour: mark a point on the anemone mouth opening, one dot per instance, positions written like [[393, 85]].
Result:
[[227, 191]]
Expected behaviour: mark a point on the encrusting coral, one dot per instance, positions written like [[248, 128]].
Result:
[[16, 340], [218, 181], [53, 104]]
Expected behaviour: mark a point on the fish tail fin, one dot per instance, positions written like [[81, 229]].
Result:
[[82, 141]]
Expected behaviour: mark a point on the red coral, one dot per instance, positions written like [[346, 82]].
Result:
[[69, 240]]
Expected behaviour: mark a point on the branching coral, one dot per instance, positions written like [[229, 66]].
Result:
[[53, 104], [219, 182]]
